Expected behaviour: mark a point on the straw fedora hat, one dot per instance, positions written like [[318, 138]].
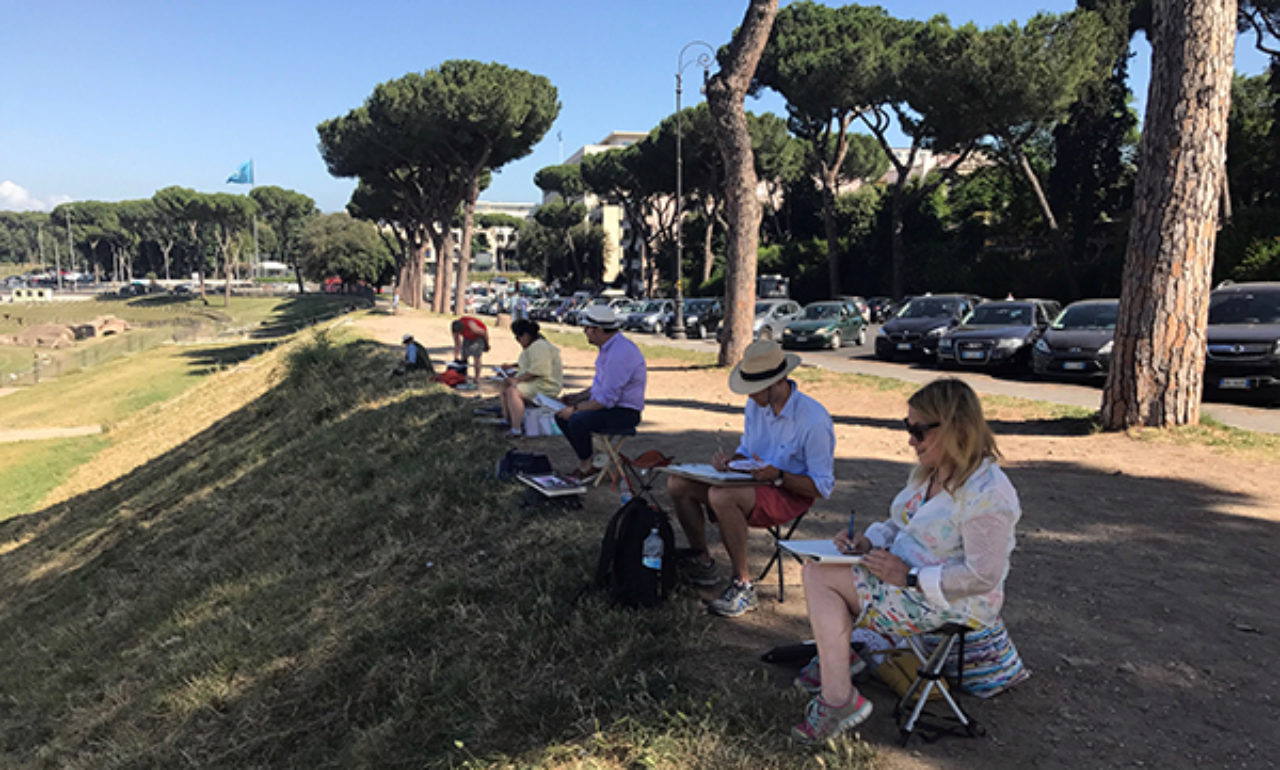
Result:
[[763, 363]]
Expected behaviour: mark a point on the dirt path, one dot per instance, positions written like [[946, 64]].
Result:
[[35, 434], [1141, 596]]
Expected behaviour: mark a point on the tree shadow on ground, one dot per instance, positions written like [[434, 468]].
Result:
[[1141, 605], [221, 356], [301, 311]]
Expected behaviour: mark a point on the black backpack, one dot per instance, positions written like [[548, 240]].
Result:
[[515, 461], [620, 570]]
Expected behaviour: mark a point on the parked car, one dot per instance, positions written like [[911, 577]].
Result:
[[1244, 338], [915, 330], [858, 302], [878, 309], [826, 324], [998, 334], [651, 318], [773, 315], [574, 311], [1078, 342], [702, 317]]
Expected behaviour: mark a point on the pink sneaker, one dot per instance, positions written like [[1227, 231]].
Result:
[[823, 721]]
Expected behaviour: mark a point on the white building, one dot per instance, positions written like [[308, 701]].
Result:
[[609, 216]]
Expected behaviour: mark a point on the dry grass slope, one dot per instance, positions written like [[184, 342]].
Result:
[[327, 576]]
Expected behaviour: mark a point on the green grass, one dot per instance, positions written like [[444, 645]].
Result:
[[107, 393], [330, 578], [1212, 433], [156, 320], [30, 469]]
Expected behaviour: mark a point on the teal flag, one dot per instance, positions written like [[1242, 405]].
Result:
[[243, 175]]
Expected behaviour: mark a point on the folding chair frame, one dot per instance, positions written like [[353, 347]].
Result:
[[613, 467], [928, 679], [776, 531]]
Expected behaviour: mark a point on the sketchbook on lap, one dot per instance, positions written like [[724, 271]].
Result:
[[707, 473], [547, 402], [819, 550]]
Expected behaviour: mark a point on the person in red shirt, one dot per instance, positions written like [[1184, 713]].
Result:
[[470, 341]]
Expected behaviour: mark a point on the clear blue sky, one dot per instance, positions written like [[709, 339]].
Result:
[[112, 101]]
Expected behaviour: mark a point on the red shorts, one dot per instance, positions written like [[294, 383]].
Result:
[[775, 505]]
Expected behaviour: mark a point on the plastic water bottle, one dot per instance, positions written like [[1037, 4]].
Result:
[[652, 552]]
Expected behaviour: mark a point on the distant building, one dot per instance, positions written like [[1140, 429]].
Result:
[[609, 216], [502, 239]]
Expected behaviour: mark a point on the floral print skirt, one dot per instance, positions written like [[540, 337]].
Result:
[[897, 611]]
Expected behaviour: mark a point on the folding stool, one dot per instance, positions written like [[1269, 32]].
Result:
[[929, 678]]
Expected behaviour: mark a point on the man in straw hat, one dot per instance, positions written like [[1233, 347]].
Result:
[[788, 445], [616, 396]]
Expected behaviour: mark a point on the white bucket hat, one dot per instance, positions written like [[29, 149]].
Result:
[[763, 363]]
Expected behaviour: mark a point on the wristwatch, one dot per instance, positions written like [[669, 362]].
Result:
[[913, 577], [778, 481]]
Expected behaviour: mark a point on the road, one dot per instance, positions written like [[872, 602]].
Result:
[[862, 360]]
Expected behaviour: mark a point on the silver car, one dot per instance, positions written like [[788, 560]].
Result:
[[773, 315], [650, 318]]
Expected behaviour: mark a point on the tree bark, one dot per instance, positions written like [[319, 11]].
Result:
[[468, 227], [444, 266], [725, 93], [830, 179], [708, 258], [1156, 371]]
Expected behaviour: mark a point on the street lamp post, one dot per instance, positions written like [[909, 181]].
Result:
[[703, 60]]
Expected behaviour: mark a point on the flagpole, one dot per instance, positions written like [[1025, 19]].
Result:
[[256, 259]]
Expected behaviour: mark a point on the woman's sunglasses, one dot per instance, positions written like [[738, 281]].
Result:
[[918, 432]]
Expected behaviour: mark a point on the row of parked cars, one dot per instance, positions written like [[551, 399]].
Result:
[[958, 330]]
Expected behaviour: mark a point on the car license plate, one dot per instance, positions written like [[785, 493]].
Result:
[[801, 337], [904, 346], [971, 355], [1235, 383], [1073, 365]]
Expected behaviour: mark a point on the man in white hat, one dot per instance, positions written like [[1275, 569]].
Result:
[[415, 357], [788, 445], [616, 397]]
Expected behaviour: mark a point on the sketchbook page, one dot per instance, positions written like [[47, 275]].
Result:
[[551, 485], [745, 464], [547, 402], [819, 550], [708, 472]]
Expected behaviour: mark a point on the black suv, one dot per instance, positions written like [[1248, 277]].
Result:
[[1244, 338], [914, 332]]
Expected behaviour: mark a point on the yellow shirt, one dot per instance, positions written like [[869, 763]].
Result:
[[541, 359]]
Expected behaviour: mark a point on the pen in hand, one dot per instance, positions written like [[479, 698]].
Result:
[[850, 533]]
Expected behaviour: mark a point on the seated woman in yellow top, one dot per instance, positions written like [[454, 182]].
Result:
[[538, 371]]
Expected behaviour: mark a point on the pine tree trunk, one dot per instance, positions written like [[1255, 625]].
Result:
[[444, 265], [1156, 370], [468, 227], [897, 250], [708, 258], [725, 94]]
